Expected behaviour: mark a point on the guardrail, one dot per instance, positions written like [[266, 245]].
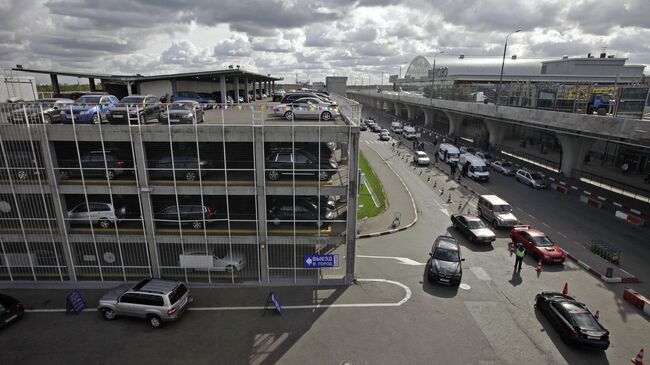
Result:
[[613, 186]]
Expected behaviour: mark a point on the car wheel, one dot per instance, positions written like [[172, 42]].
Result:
[[323, 176], [273, 175], [230, 269], [154, 321], [326, 116], [190, 175], [480, 213], [104, 223], [97, 118], [288, 115], [110, 175], [276, 221], [64, 175], [495, 225], [142, 119], [197, 224], [48, 119], [109, 314], [21, 175]]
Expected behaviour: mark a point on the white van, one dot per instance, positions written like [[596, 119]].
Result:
[[409, 132], [452, 153], [396, 127], [476, 169]]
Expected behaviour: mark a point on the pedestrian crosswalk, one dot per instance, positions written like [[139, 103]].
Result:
[[377, 142]]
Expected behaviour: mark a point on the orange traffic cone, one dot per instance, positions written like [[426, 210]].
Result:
[[638, 360], [538, 268], [565, 290], [597, 315], [435, 183], [460, 206], [429, 178], [449, 199], [469, 209]]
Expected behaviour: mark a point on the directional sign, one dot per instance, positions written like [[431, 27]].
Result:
[[317, 261]]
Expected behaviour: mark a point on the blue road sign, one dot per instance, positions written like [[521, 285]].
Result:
[[317, 261], [75, 302], [276, 303]]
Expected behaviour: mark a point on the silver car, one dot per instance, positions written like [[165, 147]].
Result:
[[532, 179], [156, 300], [200, 261], [504, 167], [473, 228], [101, 214], [307, 108]]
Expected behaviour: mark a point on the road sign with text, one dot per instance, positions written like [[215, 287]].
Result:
[[318, 261]]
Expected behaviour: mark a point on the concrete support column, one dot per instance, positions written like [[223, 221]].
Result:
[[91, 84], [246, 89], [574, 150], [254, 94], [140, 160], [222, 87], [273, 86], [54, 79], [236, 93], [455, 121], [428, 117], [260, 85], [260, 178], [496, 131], [397, 108], [410, 110], [353, 184], [174, 89]]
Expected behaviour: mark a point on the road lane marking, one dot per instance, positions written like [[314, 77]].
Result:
[[546, 225], [400, 260], [407, 295], [480, 273], [530, 215], [562, 234]]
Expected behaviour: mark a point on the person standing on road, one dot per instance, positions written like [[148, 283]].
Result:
[[435, 156], [452, 169], [520, 252]]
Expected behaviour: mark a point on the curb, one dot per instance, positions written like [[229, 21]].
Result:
[[637, 300], [602, 277], [394, 230]]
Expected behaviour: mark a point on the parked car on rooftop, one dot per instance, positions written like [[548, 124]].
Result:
[[135, 109], [39, 111], [182, 112], [89, 108]]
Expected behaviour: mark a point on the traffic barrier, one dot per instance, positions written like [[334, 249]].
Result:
[[637, 300], [630, 218], [590, 201], [559, 188], [565, 290]]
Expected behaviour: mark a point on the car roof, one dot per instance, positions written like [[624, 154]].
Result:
[[470, 217], [156, 286], [421, 153], [534, 232], [446, 242]]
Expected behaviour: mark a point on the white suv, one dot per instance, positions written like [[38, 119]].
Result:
[[532, 179], [101, 214]]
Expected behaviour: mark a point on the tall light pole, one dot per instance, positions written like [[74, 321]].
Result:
[[433, 74], [503, 62]]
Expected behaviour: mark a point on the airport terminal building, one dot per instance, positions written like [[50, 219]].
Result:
[[245, 198]]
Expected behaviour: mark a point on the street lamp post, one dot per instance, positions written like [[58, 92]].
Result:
[[433, 74], [503, 62]]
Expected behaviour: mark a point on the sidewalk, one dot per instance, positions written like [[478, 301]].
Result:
[[398, 200]]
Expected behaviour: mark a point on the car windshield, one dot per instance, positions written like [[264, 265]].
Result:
[[177, 293], [586, 321], [422, 154], [537, 176], [453, 155], [480, 168], [131, 100], [475, 224], [88, 100], [542, 241], [506, 164], [502, 208], [182, 106], [446, 255]]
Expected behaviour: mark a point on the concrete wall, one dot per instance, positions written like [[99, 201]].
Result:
[[158, 87]]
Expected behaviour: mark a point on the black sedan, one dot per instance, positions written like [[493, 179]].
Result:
[[40, 111], [573, 320], [473, 228], [10, 310], [183, 112], [444, 264]]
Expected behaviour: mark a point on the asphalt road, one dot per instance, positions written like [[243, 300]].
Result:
[[490, 319]]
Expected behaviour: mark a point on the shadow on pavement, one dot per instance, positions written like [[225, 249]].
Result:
[[572, 354], [437, 290]]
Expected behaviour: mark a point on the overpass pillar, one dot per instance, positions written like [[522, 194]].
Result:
[[455, 121], [574, 150], [398, 108], [428, 117], [410, 110], [496, 130], [54, 79]]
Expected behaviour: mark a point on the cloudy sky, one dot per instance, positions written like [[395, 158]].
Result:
[[312, 38]]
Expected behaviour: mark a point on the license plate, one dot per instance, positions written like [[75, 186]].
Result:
[[444, 280], [11, 318], [593, 337], [118, 116], [557, 260]]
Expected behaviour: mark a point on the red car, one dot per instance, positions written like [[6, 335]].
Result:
[[538, 244]]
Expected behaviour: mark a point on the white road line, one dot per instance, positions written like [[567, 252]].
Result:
[[562, 234], [546, 225], [530, 215], [407, 296], [400, 260]]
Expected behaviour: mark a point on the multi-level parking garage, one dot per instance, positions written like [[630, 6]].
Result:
[[244, 198]]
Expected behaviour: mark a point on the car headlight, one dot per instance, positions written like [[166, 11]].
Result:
[[84, 112], [329, 215], [500, 219], [547, 256], [187, 115]]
